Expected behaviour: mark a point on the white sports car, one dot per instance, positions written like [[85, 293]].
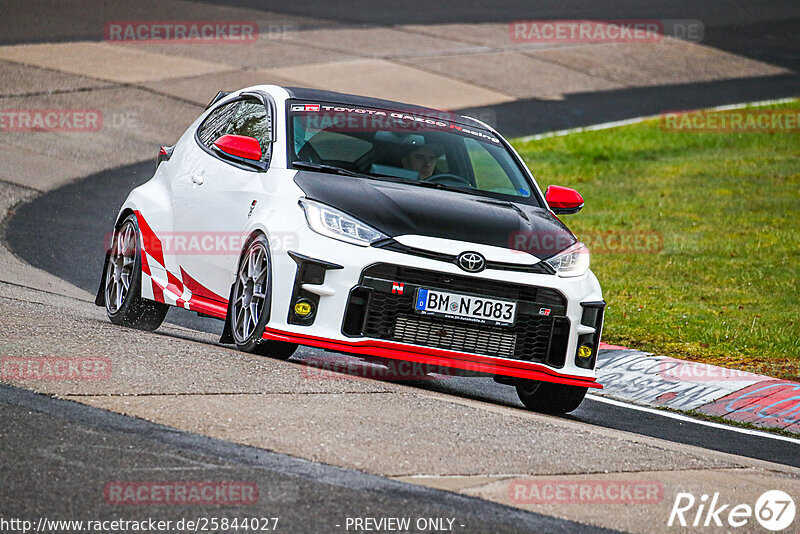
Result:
[[366, 227]]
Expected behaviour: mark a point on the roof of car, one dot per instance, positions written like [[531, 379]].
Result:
[[304, 93]]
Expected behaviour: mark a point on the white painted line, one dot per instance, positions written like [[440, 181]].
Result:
[[755, 104], [592, 128], [626, 122], [680, 417], [488, 475]]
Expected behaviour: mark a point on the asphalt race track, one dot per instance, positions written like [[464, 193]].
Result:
[[742, 29], [84, 444], [88, 209], [766, 32], [60, 446]]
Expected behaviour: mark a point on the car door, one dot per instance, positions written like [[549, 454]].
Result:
[[214, 196]]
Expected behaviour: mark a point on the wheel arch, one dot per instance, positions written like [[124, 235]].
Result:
[[123, 214]]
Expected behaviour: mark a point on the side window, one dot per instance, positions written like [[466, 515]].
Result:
[[490, 167], [251, 119], [215, 124]]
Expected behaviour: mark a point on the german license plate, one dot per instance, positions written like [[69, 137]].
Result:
[[465, 307]]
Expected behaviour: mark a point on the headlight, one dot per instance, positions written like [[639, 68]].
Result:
[[573, 261], [333, 223]]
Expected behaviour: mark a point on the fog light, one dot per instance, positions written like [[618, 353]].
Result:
[[304, 308], [585, 352]]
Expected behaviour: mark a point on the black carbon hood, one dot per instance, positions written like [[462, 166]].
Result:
[[399, 209]]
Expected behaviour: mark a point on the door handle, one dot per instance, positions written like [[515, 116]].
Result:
[[197, 179]]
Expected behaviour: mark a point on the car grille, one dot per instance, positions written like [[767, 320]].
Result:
[[375, 311], [391, 244]]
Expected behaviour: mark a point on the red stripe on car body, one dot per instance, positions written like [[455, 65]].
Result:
[[151, 243], [457, 360]]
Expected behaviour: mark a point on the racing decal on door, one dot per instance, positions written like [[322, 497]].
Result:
[[161, 285]]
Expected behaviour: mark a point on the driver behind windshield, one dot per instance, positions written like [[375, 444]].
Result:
[[422, 160]]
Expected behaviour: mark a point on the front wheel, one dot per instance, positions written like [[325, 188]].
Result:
[[250, 304], [549, 397], [122, 286]]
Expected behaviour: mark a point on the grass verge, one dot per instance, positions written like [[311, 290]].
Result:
[[719, 284]]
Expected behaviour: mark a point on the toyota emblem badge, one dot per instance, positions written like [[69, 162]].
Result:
[[472, 262]]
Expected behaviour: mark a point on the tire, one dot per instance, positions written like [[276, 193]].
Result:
[[251, 302], [123, 282], [548, 397]]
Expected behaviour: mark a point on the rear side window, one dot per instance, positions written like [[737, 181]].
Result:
[[251, 119], [215, 124], [242, 117]]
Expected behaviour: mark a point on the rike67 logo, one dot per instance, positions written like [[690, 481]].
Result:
[[774, 510]]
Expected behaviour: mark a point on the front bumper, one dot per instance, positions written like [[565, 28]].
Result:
[[473, 363], [355, 311]]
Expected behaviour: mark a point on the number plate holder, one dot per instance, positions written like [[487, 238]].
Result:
[[470, 308]]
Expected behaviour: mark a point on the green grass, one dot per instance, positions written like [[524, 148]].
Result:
[[724, 288]]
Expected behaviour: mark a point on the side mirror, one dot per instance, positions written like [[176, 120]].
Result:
[[563, 199], [240, 146]]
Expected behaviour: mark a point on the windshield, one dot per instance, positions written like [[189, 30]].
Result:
[[415, 149]]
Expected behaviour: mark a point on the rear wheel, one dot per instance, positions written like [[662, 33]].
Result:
[[548, 397], [123, 282], [250, 303]]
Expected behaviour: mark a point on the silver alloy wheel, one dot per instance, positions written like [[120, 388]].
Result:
[[250, 292], [120, 267]]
